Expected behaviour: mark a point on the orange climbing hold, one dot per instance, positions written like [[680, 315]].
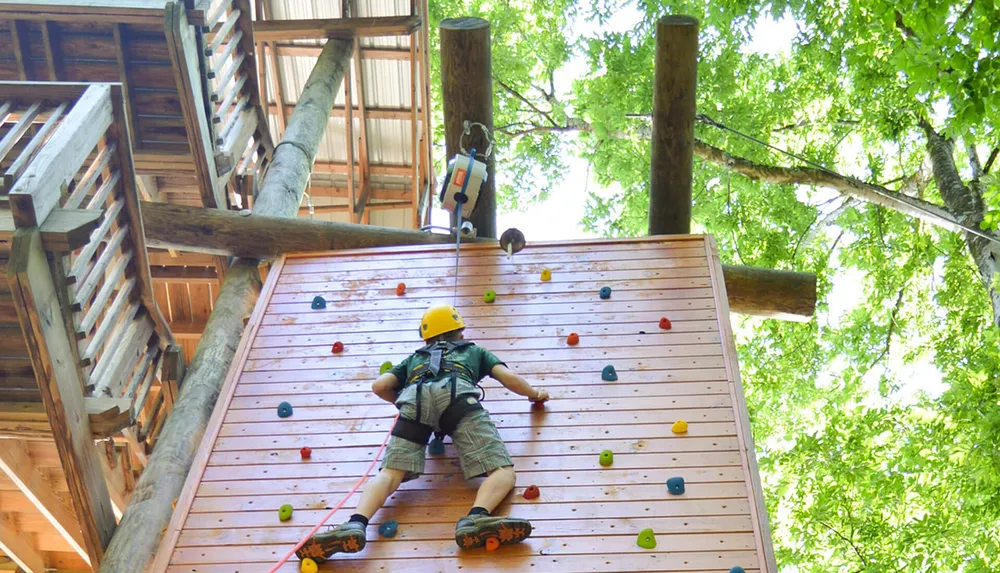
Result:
[[492, 544], [573, 339], [338, 347], [306, 452], [400, 289], [665, 323], [531, 492]]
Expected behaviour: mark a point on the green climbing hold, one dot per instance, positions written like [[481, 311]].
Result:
[[436, 448], [607, 458], [675, 485], [737, 569], [605, 293], [284, 410], [319, 303], [609, 374], [285, 512], [386, 366], [646, 539], [490, 296], [388, 529]]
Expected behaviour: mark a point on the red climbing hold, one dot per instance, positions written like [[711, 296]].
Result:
[[665, 323], [400, 289], [538, 406], [492, 544], [531, 492], [338, 347], [573, 339], [306, 452]]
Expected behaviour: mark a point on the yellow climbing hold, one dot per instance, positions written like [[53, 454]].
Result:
[[308, 566], [679, 427], [546, 274]]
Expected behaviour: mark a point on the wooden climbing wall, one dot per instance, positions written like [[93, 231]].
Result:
[[588, 517]]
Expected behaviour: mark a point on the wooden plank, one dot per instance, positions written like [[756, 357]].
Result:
[[19, 547], [111, 283], [364, 195], [15, 461], [86, 183], [19, 38], [83, 258], [53, 53], [61, 388], [111, 318], [187, 74], [414, 153], [15, 133], [223, 32], [343, 28], [96, 273], [27, 153], [222, 58], [371, 53], [66, 230], [123, 56], [400, 113], [279, 93], [37, 192]]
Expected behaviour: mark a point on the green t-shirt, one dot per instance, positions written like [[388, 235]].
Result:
[[478, 360]]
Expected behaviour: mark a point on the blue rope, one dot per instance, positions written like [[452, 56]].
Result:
[[459, 204]]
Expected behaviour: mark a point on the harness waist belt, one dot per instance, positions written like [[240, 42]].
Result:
[[419, 433]]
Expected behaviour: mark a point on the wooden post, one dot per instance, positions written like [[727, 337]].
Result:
[[467, 95], [151, 505], [785, 295], [672, 152]]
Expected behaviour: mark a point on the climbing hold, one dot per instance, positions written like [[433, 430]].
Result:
[[679, 427], [538, 406], [665, 323], [386, 366], [308, 566], [609, 374], [492, 544], [675, 485], [546, 274], [388, 529], [284, 410], [605, 293], [306, 452], [607, 458], [436, 448], [400, 289], [573, 339], [531, 492], [338, 347], [736, 569], [318, 303], [490, 296], [646, 539], [285, 512]]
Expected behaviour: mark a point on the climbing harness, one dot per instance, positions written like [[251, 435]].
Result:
[[339, 505]]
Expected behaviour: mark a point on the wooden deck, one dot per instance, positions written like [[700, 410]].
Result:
[[588, 517]]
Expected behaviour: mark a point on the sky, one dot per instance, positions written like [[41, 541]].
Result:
[[558, 217]]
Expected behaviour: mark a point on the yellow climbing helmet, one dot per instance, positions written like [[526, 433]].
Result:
[[439, 319]]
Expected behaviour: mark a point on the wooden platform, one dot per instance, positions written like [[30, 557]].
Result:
[[588, 517]]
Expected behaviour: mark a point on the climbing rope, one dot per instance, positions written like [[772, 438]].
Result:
[[340, 504], [460, 200]]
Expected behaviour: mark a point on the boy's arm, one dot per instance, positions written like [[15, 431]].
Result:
[[386, 387], [517, 384]]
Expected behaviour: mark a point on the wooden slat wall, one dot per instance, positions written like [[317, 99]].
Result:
[[588, 517]]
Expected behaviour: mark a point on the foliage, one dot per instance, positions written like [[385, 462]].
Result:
[[867, 464]]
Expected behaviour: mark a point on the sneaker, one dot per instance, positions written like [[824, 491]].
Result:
[[347, 538], [472, 531]]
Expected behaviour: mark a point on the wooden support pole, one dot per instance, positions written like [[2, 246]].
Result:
[[467, 95], [672, 152], [151, 506], [785, 295]]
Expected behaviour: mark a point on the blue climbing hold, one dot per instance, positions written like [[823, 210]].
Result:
[[388, 529], [737, 569], [319, 303], [437, 447], [609, 374], [605, 293], [675, 485], [284, 410]]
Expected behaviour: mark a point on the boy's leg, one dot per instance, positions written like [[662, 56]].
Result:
[[378, 490], [495, 488]]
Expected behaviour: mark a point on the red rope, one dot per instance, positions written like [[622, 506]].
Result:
[[339, 505]]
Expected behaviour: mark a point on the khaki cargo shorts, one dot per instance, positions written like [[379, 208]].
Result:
[[476, 439]]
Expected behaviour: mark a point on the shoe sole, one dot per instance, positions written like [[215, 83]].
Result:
[[505, 531], [321, 547]]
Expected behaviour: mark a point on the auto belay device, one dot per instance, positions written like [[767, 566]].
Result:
[[466, 176]]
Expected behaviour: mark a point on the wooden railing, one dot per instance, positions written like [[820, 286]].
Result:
[[72, 183]]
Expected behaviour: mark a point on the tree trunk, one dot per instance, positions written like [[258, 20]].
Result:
[[966, 202], [674, 95], [151, 506], [467, 95]]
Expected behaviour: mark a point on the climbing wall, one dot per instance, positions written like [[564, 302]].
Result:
[[588, 517]]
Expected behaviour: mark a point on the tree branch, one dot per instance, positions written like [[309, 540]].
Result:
[[907, 31], [850, 542], [992, 158], [525, 100], [892, 326], [970, 150]]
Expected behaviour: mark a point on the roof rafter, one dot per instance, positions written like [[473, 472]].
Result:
[[278, 30], [20, 547]]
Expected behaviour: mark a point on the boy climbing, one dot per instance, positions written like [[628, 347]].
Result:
[[435, 389]]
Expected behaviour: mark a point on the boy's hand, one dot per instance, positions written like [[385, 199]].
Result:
[[540, 396]]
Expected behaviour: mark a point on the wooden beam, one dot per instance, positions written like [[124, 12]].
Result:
[[366, 181], [53, 55], [19, 38], [672, 149], [340, 28], [352, 197], [467, 87], [20, 547], [377, 169], [784, 295], [372, 112], [186, 60], [151, 506], [122, 57], [16, 462], [124, 11], [61, 388], [402, 54], [414, 127], [279, 91], [38, 189], [63, 231]]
